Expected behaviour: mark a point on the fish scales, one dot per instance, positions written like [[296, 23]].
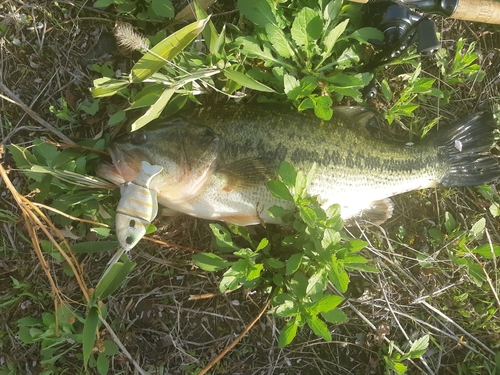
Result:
[[217, 160]]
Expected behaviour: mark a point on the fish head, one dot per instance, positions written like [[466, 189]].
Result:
[[187, 153]]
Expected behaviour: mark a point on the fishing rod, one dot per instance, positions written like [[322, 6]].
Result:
[[487, 11]]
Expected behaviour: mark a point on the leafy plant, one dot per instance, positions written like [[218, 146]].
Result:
[[319, 253], [146, 9], [393, 361]]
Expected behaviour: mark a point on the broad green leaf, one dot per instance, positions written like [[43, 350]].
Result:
[[118, 117], [298, 284], [323, 107], [365, 34], [105, 86], [335, 316], [356, 245], [262, 244], [338, 276], [279, 41], [223, 240], [419, 347], [102, 364], [332, 36], [167, 49], [246, 81], [287, 333], [292, 86], [332, 9], [306, 27], [163, 8], [293, 263], [94, 246], [319, 327], [286, 307], [89, 333], [449, 222], [326, 303], [102, 3], [154, 111], [260, 12], [279, 190], [287, 173], [488, 251], [478, 227], [110, 348], [308, 215], [316, 284], [274, 263], [210, 262]]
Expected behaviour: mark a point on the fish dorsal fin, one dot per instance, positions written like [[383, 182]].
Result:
[[248, 172], [147, 173], [375, 213]]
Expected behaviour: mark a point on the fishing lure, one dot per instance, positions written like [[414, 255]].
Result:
[[137, 208]]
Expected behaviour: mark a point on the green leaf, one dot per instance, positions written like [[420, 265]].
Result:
[[338, 276], [319, 327], [488, 251], [262, 244], [326, 303], [298, 284], [279, 190], [246, 81], [293, 263], [110, 348], [365, 34], [223, 240], [279, 41], [260, 12], [213, 40], [105, 86], [116, 118], [419, 347], [89, 333], [316, 284], [478, 228], [113, 279], [163, 8], [154, 111], [287, 173], [308, 215], [287, 334], [102, 3], [94, 246], [147, 96], [335, 316], [102, 364], [274, 263], [449, 222], [306, 27], [167, 49], [210, 262]]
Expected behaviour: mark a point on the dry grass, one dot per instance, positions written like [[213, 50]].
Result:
[[154, 315]]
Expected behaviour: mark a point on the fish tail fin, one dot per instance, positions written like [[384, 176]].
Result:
[[465, 147]]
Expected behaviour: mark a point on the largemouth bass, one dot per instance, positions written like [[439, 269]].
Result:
[[217, 161]]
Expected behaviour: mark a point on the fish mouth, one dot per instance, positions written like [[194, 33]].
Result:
[[126, 164]]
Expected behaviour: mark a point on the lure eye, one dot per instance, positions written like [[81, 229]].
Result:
[[129, 240], [138, 138]]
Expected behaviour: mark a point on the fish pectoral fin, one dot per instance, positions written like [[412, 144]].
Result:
[[375, 213], [248, 172]]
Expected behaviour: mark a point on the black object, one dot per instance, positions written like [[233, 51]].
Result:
[[402, 27]]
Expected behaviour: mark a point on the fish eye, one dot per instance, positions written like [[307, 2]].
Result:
[[138, 138]]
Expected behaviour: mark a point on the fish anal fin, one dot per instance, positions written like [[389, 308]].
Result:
[[365, 119], [248, 172], [375, 213]]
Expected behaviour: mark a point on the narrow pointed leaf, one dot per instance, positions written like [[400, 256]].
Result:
[[167, 49], [153, 111], [89, 333], [246, 81]]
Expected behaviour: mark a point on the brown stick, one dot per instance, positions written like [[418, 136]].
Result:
[[233, 344], [11, 97]]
